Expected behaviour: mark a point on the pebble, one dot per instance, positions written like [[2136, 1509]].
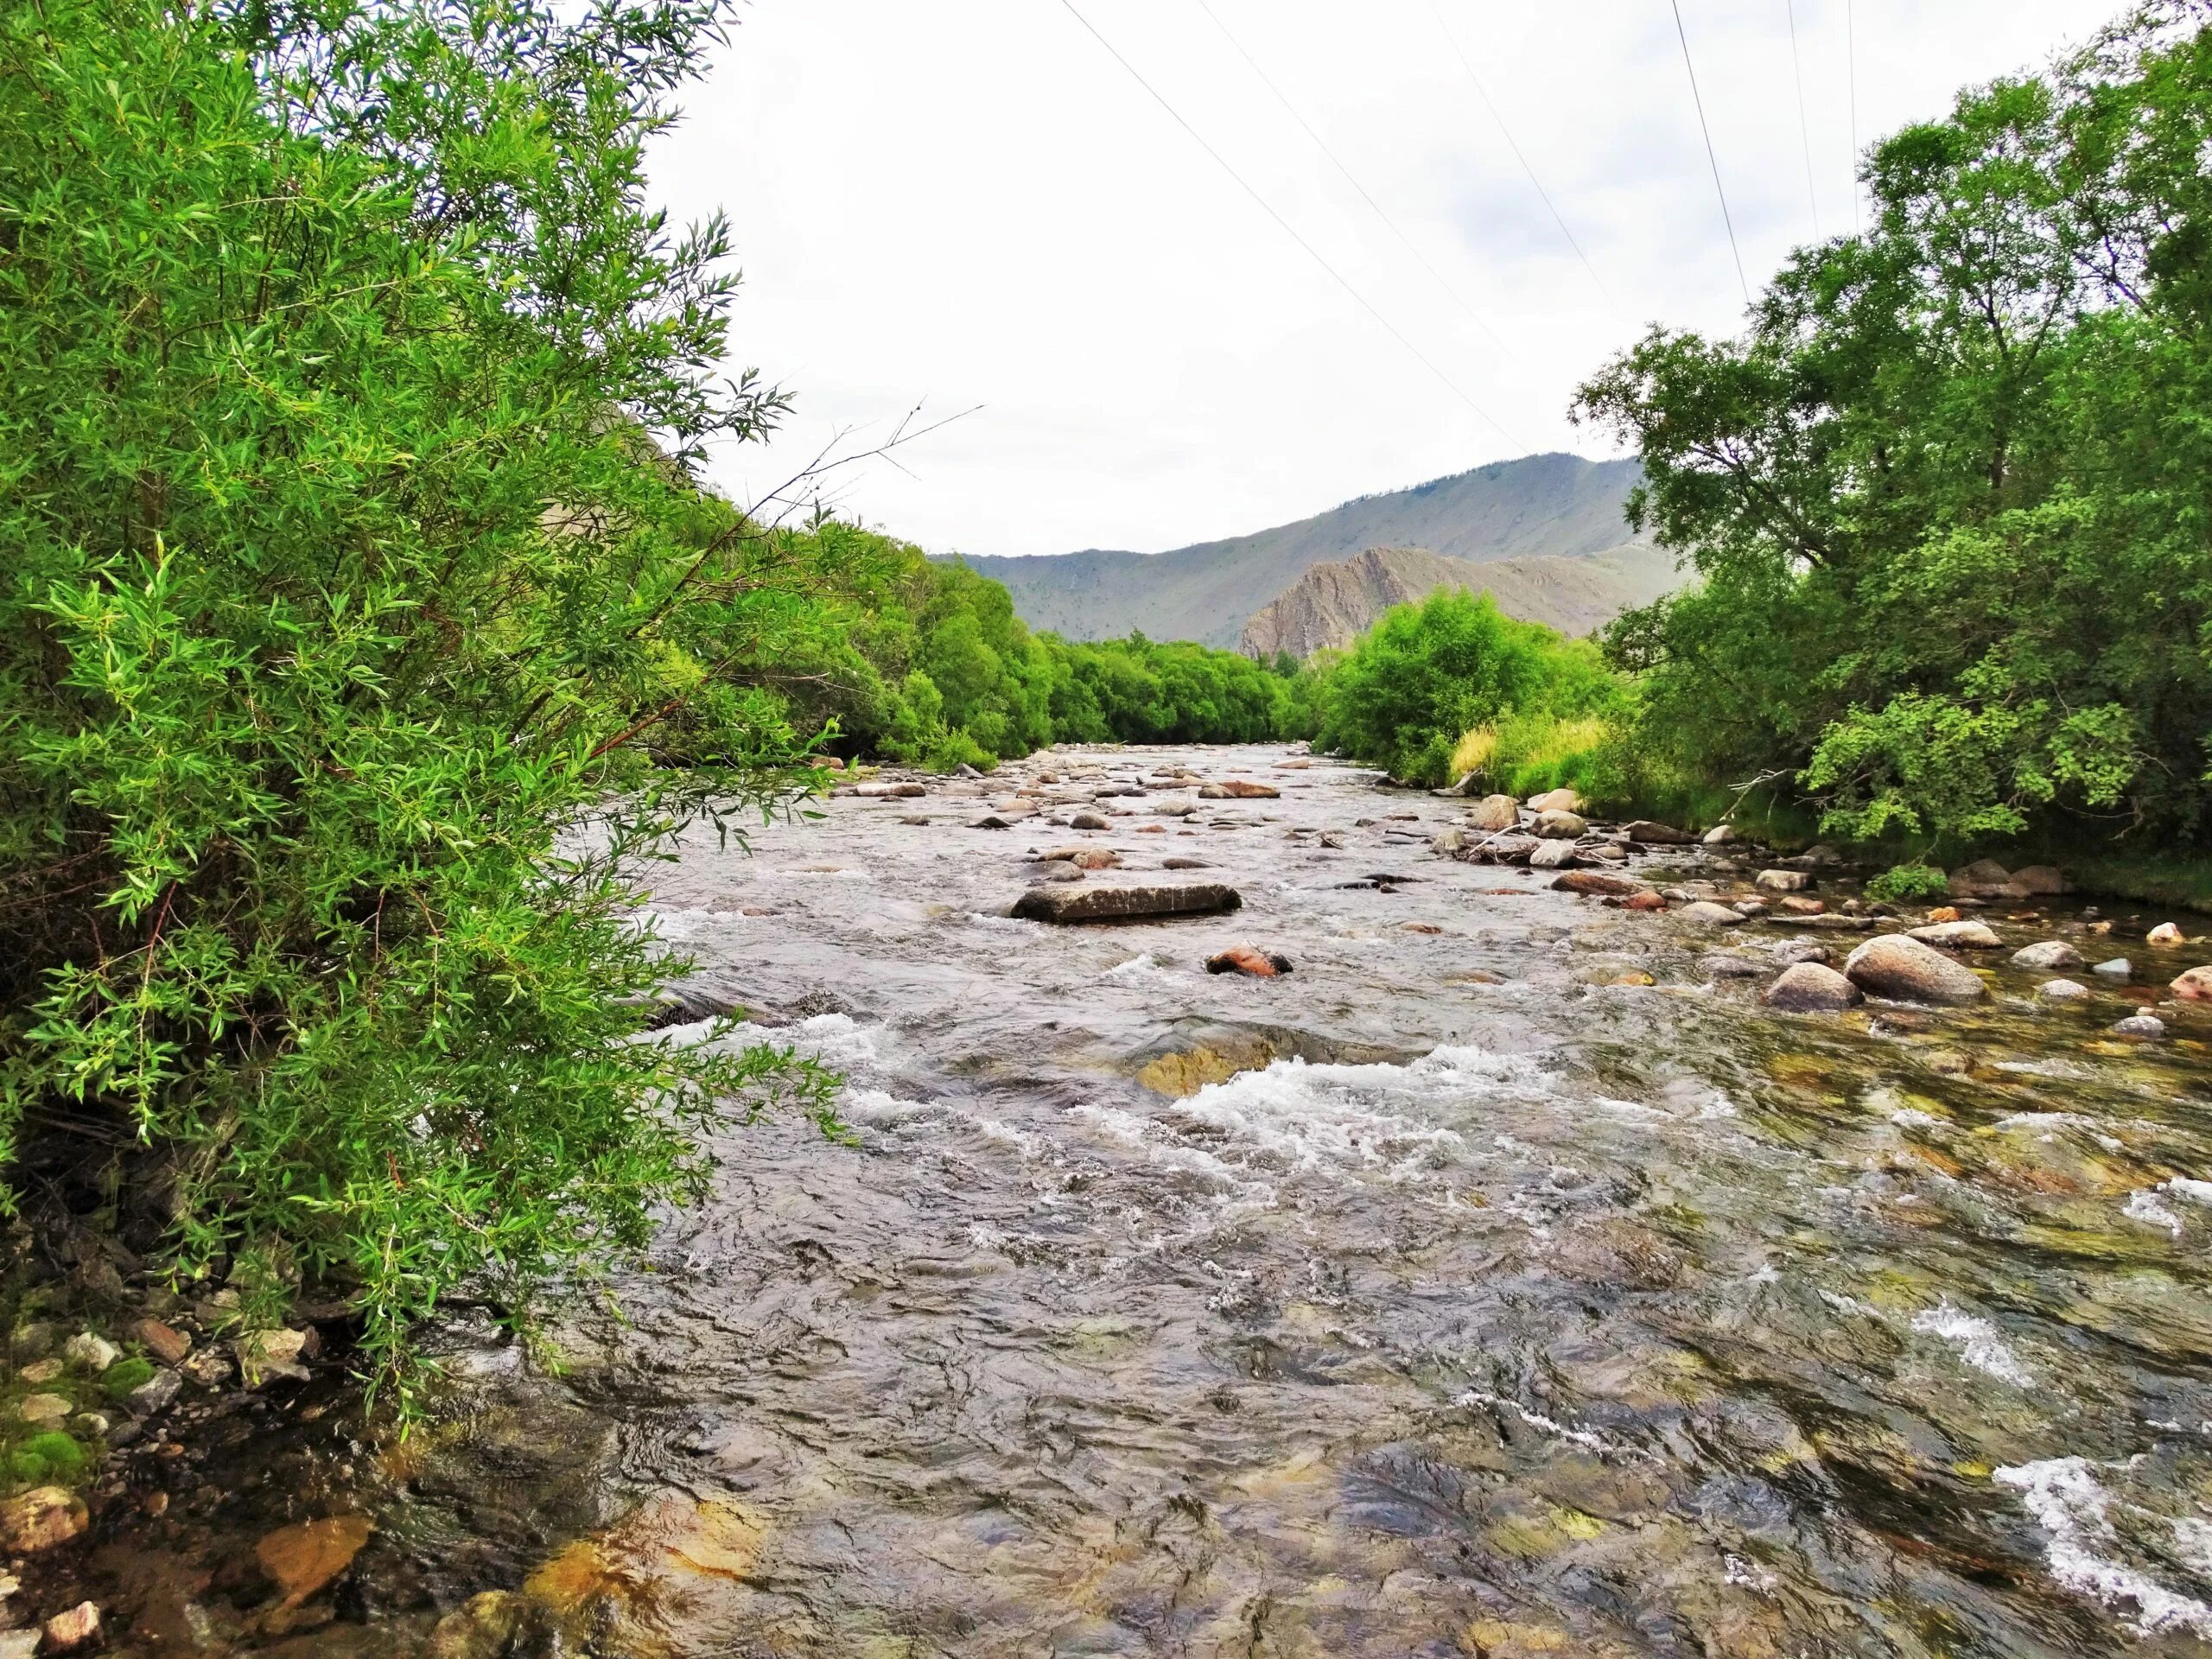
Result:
[[89, 1351], [40, 1519], [76, 1628], [164, 1342], [2063, 991]]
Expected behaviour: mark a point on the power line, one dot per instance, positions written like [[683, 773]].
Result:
[[1851, 58], [1695, 98], [1804, 121], [1287, 229], [1483, 92], [1473, 315]]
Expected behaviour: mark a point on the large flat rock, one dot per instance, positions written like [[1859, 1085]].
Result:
[[1126, 904]]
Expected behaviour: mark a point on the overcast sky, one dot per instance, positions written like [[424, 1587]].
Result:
[[970, 202]]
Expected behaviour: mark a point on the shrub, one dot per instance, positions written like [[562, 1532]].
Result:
[[353, 565], [1908, 884]]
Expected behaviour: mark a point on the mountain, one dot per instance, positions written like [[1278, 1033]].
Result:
[[1333, 604], [1556, 505]]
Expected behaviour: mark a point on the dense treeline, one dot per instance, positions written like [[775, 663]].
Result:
[[926, 662], [1949, 498]]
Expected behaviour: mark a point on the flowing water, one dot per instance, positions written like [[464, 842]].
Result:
[[1445, 1296]]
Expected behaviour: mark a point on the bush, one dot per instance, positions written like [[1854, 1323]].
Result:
[[353, 568], [1909, 884], [1422, 685]]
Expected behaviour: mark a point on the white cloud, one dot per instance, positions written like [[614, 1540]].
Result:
[[970, 202]]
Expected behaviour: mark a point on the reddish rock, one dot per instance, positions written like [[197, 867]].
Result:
[[1645, 900], [2195, 986], [1796, 904], [1601, 882], [165, 1342], [301, 1559], [1245, 959], [1237, 789]]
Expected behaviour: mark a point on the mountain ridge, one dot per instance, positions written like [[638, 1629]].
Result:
[[1554, 504]]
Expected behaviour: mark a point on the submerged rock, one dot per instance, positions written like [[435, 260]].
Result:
[[301, 1559], [1808, 988], [2049, 954], [1100, 904], [1905, 970], [41, 1519]]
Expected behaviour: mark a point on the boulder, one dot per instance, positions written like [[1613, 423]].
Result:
[[1959, 936], [1557, 800], [2038, 881], [1646, 899], [1808, 988], [2140, 1024], [1088, 821], [1645, 833], [2195, 986], [2165, 933], [1783, 881], [1905, 970], [1244, 959], [2063, 991], [1983, 879], [1236, 789], [1556, 824], [1705, 914], [1552, 854], [41, 1519], [1721, 835], [1100, 904], [1450, 844], [2049, 956], [1493, 813], [1601, 883]]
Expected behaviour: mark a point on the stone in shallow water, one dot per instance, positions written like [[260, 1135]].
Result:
[[1906, 970], [1598, 881], [1808, 988], [1959, 936], [2118, 968], [2141, 1025], [2051, 954], [1103, 904], [1705, 913], [1247, 959], [2063, 991]]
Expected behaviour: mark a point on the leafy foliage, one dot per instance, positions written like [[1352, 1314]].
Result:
[[1950, 495], [1905, 884], [351, 570], [1405, 693]]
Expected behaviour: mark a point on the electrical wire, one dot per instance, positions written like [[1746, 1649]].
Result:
[[1288, 228], [1483, 92], [1804, 121], [1703, 126], [1473, 315], [1851, 57]]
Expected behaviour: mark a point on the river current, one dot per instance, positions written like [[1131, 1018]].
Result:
[[1459, 1293]]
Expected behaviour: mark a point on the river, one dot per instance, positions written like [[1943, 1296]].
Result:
[[1501, 1303]]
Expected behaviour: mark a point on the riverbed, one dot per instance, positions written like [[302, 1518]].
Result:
[[1457, 1292]]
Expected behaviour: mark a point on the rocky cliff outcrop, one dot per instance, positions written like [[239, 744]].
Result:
[[1332, 605]]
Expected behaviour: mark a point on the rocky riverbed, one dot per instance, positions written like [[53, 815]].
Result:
[[1514, 1274]]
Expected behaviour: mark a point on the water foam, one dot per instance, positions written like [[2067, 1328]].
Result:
[[1978, 1342], [2075, 1511]]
